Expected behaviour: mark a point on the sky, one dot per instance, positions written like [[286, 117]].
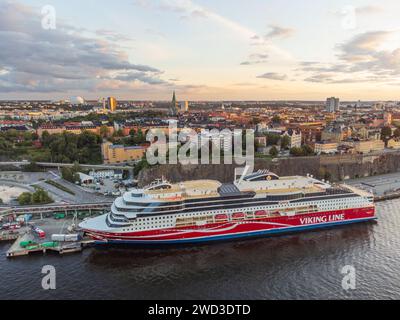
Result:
[[203, 49]]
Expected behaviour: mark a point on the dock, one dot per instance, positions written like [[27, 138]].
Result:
[[389, 196], [9, 237], [63, 248]]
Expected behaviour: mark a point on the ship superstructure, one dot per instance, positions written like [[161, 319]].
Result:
[[257, 204]]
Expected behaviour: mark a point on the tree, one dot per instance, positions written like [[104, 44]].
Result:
[[46, 138], [118, 133], [32, 167], [143, 164], [41, 197], [141, 137], [67, 174], [307, 150], [25, 199], [104, 132], [296, 151], [285, 142], [4, 144], [38, 197], [273, 152], [304, 151], [1, 201], [386, 132], [276, 119], [68, 147], [272, 139]]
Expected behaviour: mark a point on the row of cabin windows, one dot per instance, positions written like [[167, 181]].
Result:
[[326, 204]]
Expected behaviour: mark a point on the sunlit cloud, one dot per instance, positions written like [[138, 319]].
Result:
[[273, 76]]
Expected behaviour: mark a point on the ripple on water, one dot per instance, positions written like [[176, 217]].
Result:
[[300, 266]]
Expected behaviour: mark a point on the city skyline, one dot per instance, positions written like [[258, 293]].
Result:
[[143, 50]]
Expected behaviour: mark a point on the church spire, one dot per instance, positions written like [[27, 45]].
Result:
[[174, 105], [174, 98]]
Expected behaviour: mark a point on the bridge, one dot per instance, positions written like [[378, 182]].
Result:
[[50, 209], [68, 165]]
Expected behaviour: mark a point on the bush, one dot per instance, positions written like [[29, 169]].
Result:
[[32, 167], [38, 197], [59, 186], [304, 151]]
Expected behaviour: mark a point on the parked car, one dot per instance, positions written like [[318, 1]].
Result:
[[39, 232]]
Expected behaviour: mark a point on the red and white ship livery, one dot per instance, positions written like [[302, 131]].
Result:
[[257, 204]]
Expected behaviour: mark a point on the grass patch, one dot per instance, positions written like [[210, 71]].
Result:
[[59, 186]]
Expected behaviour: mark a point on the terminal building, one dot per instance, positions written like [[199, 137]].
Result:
[[113, 154]]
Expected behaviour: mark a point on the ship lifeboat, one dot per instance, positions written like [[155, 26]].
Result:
[[260, 214], [221, 217], [239, 216]]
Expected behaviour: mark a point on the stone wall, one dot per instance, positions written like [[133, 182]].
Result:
[[334, 168]]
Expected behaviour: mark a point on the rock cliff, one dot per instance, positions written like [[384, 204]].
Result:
[[333, 168]]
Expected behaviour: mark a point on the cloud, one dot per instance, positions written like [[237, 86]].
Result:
[[370, 9], [39, 60], [113, 36], [363, 46], [361, 59], [319, 78], [273, 76], [358, 11], [189, 9], [255, 58], [139, 76], [279, 32]]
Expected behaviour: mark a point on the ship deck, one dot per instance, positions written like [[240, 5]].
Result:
[[208, 187]]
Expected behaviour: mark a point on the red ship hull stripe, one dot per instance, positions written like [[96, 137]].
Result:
[[240, 227]]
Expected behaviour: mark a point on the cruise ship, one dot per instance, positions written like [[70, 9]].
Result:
[[255, 205]]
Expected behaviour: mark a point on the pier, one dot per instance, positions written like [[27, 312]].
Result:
[[42, 211], [9, 236], [63, 248]]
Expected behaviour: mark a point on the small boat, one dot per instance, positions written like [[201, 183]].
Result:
[[221, 217], [239, 216], [261, 214]]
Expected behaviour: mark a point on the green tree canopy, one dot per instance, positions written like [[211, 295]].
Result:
[[273, 151]]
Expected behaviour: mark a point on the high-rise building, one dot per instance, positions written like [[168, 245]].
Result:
[[104, 104], [185, 106], [332, 104], [111, 104]]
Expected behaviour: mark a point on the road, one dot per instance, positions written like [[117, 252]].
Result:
[[60, 165], [37, 179]]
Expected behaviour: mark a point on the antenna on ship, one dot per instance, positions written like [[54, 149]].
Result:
[[244, 173]]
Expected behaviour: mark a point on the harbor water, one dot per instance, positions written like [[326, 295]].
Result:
[[305, 265]]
